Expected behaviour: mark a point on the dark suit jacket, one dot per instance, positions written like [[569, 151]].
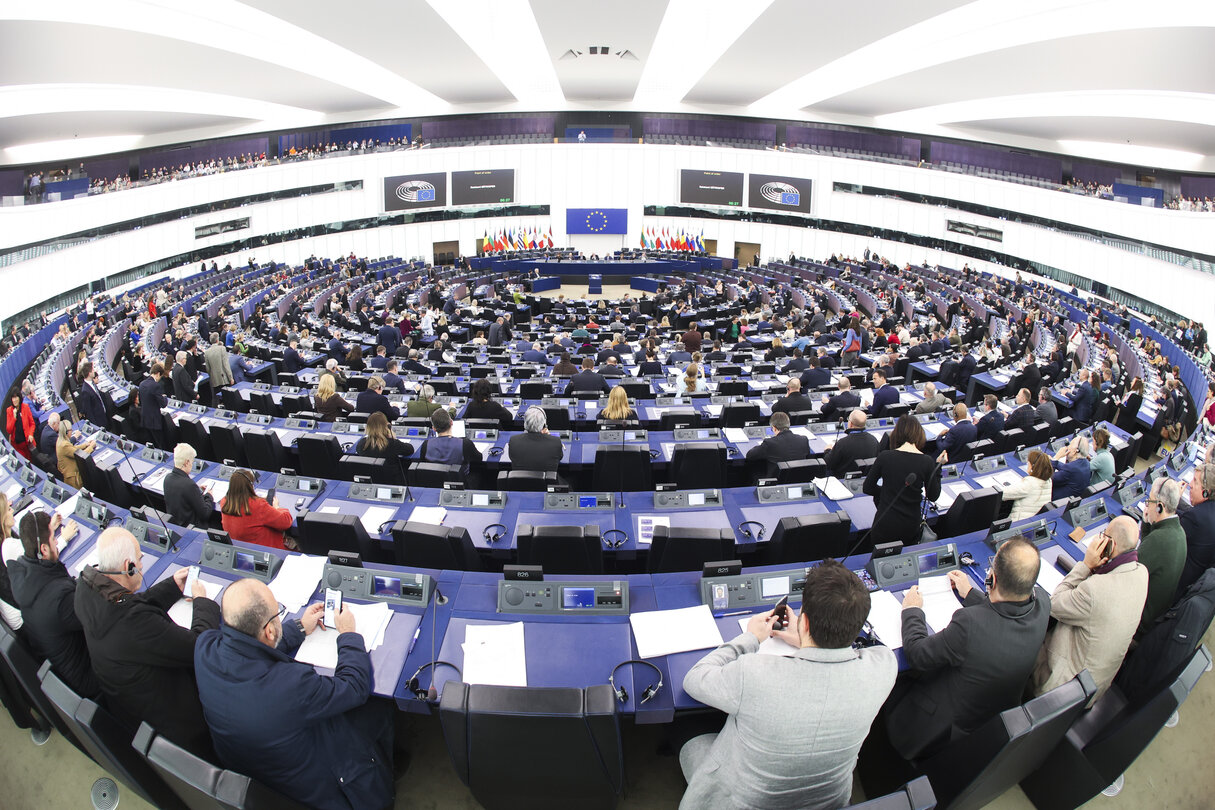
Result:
[[814, 377], [389, 337], [1085, 397], [534, 451], [292, 362], [790, 403], [151, 400], [845, 401], [369, 401], [973, 669], [784, 446], [185, 502], [855, 444], [1022, 417], [1199, 526], [587, 381], [183, 384], [958, 436], [886, 395], [966, 367], [91, 405], [990, 425]]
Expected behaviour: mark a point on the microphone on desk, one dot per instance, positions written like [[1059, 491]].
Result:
[[170, 538]]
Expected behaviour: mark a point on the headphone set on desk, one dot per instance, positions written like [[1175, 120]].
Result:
[[747, 533], [492, 537], [624, 538], [622, 694], [429, 694]]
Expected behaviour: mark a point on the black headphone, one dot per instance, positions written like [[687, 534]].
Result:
[[650, 691], [132, 569], [493, 537], [429, 694], [757, 536], [624, 538]]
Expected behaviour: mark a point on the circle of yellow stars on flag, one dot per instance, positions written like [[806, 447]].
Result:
[[600, 221]]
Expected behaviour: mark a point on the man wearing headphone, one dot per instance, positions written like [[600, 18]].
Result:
[[1161, 548], [1198, 522], [144, 662]]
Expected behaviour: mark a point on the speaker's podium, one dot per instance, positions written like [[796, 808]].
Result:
[[594, 284]]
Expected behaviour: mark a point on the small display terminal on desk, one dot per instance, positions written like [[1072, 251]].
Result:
[[616, 436], [393, 587], [555, 597], [150, 535], [743, 591], [95, 515], [377, 492], [696, 434], [900, 569], [1086, 514], [574, 501], [782, 493], [691, 499], [299, 483], [219, 555], [1132, 492], [471, 498], [986, 465], [1039, 533]]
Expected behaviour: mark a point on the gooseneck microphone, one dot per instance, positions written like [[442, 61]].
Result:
[[908, 482]]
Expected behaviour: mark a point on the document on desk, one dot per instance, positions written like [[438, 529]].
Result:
[[457, 428], [67, 508], [1049, 576], [646, 525], [934, 429], [664, 632], [1000, 480], [770, 646], [735, 435], [833, 488], [940, 601], [219, 488], [156, 481], [483, 447], [495, 654], [950, 493], [320, 646], [886, 618], [433, 515], [182, 612], [297, 580]]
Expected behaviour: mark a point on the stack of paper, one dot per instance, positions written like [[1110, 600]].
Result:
[[770, 646], [1049, 576], [219, 488], [735, 435], [370, 621], [182, 612], [950, 493], [646, 525], [1000, 480], [940, 601], [833, 488], [495, 654], [934, 429], [297, 580], [433, 515], [372, 518], [156, 481], [886, 618], [665, 632]]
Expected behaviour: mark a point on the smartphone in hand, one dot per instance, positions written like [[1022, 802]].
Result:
[[333, 606], [188, 588], [782, 613]]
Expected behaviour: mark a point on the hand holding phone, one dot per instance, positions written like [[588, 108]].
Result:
[[781, 612], [187, 588], [333, 606]]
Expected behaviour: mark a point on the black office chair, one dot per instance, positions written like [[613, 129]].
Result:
[[229, 443], [678, 417], [115, 490], [434, 475], [201, 785], [294, 403], [318, 455], [322, 532], [1064, 427], [526, 480], [557, 417], [262, 402], [688, 549], [22, 665], [573, 756], [623, 467], [896, 410], [970, 511], [975, 768], [807, 538], [106, 741], [731, 388], [979, 447], [535, 389], [425, 545], [233, 401], [20, 708], [738, 414], [264, 450], [561, 549], [799, 471], [699, 465], [1103, 743], [915, 795], [373, 469]]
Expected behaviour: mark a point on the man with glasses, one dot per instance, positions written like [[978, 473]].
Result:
[[1161, 548], [312, 737]]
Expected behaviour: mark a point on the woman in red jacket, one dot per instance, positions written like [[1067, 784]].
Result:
[[19, 425], [248, 517]]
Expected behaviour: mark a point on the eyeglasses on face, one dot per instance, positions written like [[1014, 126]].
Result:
[[282, 611]]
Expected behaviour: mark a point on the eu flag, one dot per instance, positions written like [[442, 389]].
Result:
[[596, 220]]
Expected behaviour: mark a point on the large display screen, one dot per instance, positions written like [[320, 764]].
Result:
[[778, 193], [483, 186], [711, 188], [405, 191]]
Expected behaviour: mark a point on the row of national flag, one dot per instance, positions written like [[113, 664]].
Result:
[[521, 239], [665, 239]]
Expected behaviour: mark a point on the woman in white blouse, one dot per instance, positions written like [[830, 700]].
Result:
[[1033, 491]]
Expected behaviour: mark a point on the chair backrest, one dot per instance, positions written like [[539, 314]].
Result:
[[425, 545], [915, 795], [263, 402], [377, 469], [105, 740], [557, 417], [623, 467], [294, 403], [319, 455], [699, 465], [688, 549], [561, 549], [737, 414], [23, 665], [975, 768], [229, 443], [322, 532], [195, 434], [264, 450], [971, 511], [116, 490], [233, 401], [526, 480], [799, 471], [535, 389], [679, 417], [201, 785], [574, 755], [807, 538], [433, 474]]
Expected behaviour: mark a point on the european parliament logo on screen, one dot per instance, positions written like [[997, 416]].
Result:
[[415, 191], [597, 220], [779, 193]]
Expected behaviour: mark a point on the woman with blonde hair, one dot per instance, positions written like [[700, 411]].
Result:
[[381, 442], [693, 382], [65, 452], [617, 409], [327, 402]]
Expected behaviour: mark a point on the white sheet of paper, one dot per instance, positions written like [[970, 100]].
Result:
[[735, 435], [156, 481], [833, 488], [85, 561], [68, 507], [374, 516], [1049, 576], [934, 429], [950, 493], [663, 632], [940, 601], [1000, 480], [433, 515], [495, 654], [182, 612], [886, 616], [219, 488], [320, 646], [297, 580], [646, 525], [770, 646]]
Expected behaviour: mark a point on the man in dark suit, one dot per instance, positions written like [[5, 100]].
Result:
[[373, 399], [783, 445], [413, 366], [535, 448], [845, 400], [977, 666], [1030, 376], [495, 332], [796, 365], [991, 422], [1046, 411], [187, 503], [966, 368], [814, 376], [183, 380], [1084, 398], [856, 444], [883, 395], [292, 362], [389, 336], [90, 402], [587, 380], [392, 381], [1022, 416], [961, 434], [793, 400], [611, 368], [916, 351], [1198, 523], [151, 399]]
